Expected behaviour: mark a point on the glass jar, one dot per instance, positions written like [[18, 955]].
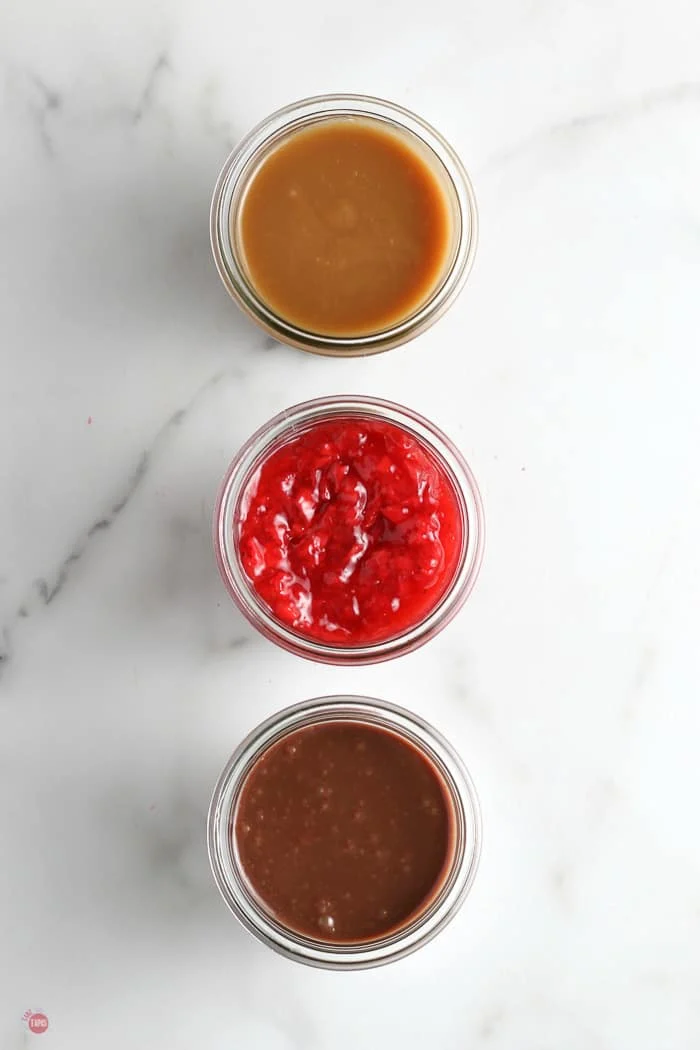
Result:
[[243, 163], [464, 849], [291, 423]]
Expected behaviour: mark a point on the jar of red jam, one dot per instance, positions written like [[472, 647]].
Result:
[[344, 832], [344, 225], [349, 530]]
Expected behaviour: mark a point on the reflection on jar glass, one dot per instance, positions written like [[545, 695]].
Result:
[[344, 832], [349, 530], [344, 225]]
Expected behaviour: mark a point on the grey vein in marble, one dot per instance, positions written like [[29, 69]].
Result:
[[160, 66], [50, 103], [5, 650], [47, 591], [627, 110]]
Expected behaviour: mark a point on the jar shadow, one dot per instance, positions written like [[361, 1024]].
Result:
[[175, 584], [136, 874], [138, 259]]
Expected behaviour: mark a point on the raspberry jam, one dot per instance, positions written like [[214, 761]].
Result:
[[350, 532]]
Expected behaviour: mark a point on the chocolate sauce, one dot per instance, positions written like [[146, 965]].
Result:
[[344, 831]]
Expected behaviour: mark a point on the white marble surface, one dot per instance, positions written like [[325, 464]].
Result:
[[569, 373]]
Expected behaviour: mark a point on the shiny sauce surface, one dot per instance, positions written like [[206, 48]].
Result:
[[344, 831], [350, 532], [345, 228]]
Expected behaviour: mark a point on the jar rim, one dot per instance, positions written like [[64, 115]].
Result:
[[234, 177], [464, 802], [272, 434]]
